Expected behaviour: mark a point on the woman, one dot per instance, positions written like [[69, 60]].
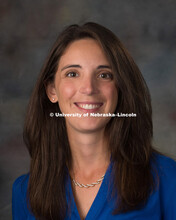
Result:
[[87, 167]]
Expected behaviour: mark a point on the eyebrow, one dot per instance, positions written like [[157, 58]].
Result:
[[78, 66]]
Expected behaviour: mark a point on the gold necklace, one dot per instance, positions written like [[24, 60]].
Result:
[[88, 185]]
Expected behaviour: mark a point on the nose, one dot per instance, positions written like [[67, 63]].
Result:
[[88, 86]]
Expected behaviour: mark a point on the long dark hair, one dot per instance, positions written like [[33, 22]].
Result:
[[129, 138]]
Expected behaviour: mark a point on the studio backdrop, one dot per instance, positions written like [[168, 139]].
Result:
[[28, 30]]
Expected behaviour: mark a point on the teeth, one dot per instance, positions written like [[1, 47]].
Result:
[[88, 106]]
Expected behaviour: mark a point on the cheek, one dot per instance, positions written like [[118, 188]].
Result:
[[66, 90], [111, 93], [112, 97]]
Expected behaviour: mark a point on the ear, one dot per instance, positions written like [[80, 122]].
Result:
[[51, 92]]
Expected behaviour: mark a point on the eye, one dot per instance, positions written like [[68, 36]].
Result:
[[72, 74], [106, 75]]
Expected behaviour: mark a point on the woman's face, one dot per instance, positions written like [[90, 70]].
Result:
[[84, 83]]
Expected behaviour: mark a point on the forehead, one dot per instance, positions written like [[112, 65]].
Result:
[[83, 50], [82, 43]]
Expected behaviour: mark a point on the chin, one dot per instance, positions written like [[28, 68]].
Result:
[[89, 125]]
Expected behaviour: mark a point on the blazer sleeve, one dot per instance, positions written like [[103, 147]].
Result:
[[19, 202]]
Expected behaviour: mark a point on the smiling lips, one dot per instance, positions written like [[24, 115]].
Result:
[[88, 106]]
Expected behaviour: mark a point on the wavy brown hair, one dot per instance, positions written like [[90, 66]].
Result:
[[129, 138]]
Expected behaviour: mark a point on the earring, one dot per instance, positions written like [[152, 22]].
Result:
[[53, 99]]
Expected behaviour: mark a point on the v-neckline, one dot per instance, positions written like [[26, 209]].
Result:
[[99, 200]]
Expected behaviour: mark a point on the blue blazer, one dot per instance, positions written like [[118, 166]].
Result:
[[161, 205]]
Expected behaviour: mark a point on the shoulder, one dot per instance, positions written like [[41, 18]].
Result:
[[166, 172], [21, 179], [20, 185], [19, 198], [165, 165]]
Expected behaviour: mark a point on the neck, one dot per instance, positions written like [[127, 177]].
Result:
[[90, 153]]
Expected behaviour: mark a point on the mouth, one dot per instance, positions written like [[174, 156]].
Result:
[[88, 106]]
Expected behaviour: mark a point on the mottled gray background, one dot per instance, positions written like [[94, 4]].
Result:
[[29, 28]]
